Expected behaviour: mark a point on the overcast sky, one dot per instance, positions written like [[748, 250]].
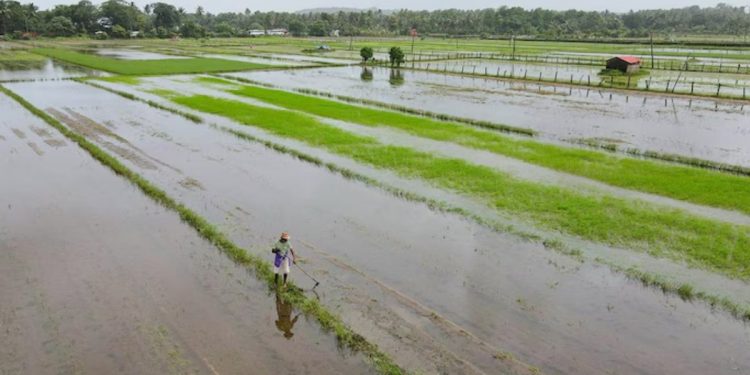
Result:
[[216, 6]]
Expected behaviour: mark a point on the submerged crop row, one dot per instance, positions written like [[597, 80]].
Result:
[[695, 185], [613, 221], [148, 67], [382, 363]]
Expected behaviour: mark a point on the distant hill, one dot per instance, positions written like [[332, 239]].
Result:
[[340, 9]]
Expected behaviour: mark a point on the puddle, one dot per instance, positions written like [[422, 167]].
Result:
[[644, 122], [97, 278], [510, 295], [45, 70]]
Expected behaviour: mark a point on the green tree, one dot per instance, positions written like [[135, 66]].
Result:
[[297, 28], [165, 16], [60, 26], [396, 56], [366, 53], [191, 29], [119, 32], [319, 28], [225, 29]]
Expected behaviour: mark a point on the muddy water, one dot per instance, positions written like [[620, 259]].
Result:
[[96, 278], [47, 69], [507, 294], [668, 125]]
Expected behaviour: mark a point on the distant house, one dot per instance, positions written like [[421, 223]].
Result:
[[256, 32], [135, 34], [335, 33], [277, 32], [625, 64]]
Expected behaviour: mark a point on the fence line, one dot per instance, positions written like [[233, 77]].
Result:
[[685, 87], [659, 64]]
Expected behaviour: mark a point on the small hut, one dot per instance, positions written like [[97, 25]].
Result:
[[625, 64]]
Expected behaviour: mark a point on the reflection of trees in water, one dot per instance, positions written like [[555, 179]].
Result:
[[396, 78], [284, 310], [366, 74]]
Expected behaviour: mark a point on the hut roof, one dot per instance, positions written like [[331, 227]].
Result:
[[629, 59]]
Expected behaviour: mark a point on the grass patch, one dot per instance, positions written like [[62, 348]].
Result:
[[671, 233], [148, 67], [126, 80], [695, 185], [312, 307]]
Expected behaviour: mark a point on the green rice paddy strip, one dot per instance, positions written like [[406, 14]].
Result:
[[634, 224], [148, 67], [672, 158], [399, 108], [327, 320], [693, 185]]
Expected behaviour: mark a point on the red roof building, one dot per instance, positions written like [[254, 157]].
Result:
[[626, 64]]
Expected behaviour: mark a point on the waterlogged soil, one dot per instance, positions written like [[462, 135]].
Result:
[[644, 122], [96, 278], [437, 292], [45, 70]]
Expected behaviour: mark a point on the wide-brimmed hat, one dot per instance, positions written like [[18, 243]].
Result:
[[284, 236]]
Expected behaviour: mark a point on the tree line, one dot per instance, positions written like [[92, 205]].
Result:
[[121, 19]]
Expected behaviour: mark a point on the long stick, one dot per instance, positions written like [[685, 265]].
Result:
[[308, 275]]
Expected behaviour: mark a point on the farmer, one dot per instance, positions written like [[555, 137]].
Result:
[[283, 250]]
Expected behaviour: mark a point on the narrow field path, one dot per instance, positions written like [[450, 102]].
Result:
[[97, 278], [420, 275]]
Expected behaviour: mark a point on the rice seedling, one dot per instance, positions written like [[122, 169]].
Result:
[[699, 186], [658, 231]]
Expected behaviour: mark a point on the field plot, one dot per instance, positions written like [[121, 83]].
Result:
[[96, 277], [567, 312], [21, 65], [150, 66], [641, 122]]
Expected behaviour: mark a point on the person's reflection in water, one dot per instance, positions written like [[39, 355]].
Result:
[[285, 323]]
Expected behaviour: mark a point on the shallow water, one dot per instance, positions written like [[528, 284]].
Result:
[[638, 121], [48, 69], [255, 60], [548, 310], [97, 278], [129, 54]]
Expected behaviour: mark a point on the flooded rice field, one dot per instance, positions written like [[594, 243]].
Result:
[[47, 69], [657, 80], [97, 278], [130, 54], [448, 294], [257, 60], [650, 122]]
